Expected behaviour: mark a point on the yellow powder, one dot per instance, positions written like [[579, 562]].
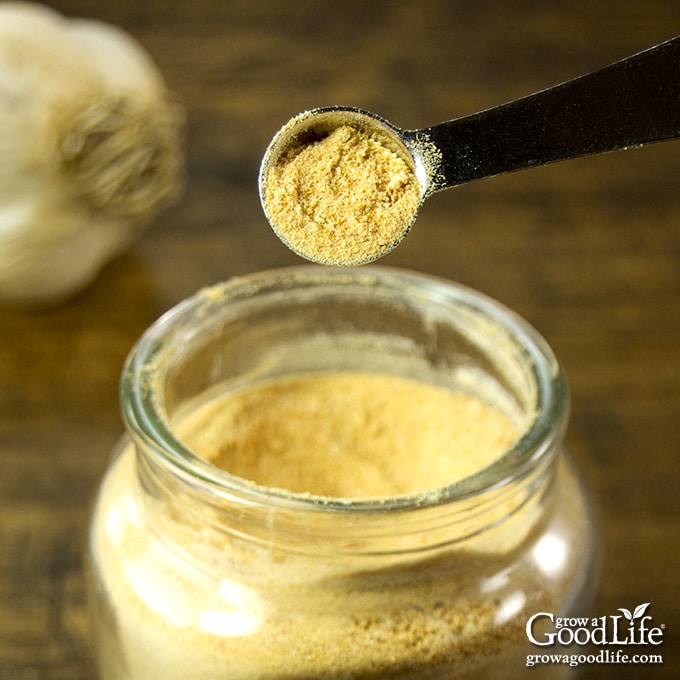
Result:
[[344, 199], [349, 434], [189, 599]]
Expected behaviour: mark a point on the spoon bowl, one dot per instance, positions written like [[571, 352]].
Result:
[[310, 127]]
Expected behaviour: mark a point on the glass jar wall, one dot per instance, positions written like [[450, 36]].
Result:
[[195, 572]]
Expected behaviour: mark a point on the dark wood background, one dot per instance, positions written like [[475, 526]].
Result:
[[588, 251]]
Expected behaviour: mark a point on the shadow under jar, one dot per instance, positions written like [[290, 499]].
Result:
[[196, 572]]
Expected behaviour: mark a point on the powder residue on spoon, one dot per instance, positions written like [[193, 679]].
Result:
[[349, 435], [344, 199]]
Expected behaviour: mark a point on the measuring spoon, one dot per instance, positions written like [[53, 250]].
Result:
[[632, 102]]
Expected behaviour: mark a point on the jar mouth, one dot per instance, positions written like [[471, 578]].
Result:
[[165, 354]]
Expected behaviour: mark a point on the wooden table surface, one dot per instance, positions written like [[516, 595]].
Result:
[[588, 251]]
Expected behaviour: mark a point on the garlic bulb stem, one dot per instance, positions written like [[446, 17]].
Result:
[[122, 156]]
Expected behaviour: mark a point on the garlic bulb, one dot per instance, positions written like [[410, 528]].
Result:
[[90, 149]]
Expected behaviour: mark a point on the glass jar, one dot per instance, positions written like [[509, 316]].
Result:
[[196, 573]]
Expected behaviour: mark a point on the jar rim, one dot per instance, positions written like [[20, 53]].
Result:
[[145, 419]]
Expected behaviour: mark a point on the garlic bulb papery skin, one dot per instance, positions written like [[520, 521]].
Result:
[[91, 149]]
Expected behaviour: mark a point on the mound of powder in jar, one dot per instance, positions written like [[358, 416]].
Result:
[[344, 199], [348, 435]]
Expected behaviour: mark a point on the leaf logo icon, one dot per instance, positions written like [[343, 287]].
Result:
[[640, 610], [637, 614]]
